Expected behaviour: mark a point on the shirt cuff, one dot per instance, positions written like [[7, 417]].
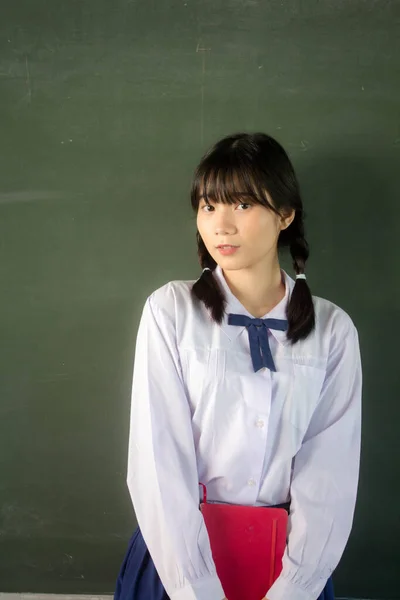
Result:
[[203, 589], [283, 589]]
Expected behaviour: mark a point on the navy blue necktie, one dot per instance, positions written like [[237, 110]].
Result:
[[258, 337]]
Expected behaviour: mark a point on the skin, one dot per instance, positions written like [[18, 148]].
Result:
[[253, 272]]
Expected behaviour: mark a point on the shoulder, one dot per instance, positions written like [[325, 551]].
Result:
[[330, 318], [172, 293], [334, 329], [335, 332], [171, 299]]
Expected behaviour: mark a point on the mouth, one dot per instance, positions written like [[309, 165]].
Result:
[[227, 249]]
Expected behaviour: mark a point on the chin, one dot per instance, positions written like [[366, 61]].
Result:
[[231, 263]]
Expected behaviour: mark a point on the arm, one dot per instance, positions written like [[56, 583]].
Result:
[[325, 476], [162, 469]]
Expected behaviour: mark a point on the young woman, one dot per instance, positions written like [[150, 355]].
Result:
[[261, 411]]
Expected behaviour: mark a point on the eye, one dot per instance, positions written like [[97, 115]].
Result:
[[244, 205], [207, 208]]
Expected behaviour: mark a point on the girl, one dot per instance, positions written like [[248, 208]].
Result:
[[263, 412]]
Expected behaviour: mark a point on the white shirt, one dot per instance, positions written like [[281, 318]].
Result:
[[201, 413]]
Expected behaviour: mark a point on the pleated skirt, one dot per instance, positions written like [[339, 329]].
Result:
[[139, 580]]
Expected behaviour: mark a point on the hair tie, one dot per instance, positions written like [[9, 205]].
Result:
[[301, 276], [206, 269]]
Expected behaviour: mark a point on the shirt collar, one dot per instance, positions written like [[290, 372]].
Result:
[[234, 306]]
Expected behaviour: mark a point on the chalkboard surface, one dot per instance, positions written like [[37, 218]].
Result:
[[105, 109]]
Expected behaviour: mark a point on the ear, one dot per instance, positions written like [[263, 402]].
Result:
[[287, 218]]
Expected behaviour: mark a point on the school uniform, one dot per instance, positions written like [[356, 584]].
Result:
[[204, 408]]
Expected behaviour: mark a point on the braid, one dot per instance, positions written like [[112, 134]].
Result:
[[300, 310], [206, 288], [300, 253], [205, 258]]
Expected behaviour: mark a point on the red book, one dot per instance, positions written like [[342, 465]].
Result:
[[247, 545]]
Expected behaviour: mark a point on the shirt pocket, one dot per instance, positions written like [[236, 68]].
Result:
[[203, 370], [296, 390], [302, 400]]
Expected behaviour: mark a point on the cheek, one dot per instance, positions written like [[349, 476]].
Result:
[[199, 223], [271, 224], [203, 228], [264, 227]]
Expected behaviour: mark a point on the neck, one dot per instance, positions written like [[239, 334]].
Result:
[[258, 288]]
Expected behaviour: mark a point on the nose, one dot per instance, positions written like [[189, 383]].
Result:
[[224, 221]]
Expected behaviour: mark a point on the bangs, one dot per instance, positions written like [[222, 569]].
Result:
[[229, 183]]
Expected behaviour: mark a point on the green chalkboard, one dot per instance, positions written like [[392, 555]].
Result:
[[105, 109]]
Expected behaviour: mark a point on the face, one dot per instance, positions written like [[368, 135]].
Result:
[[242, 235]]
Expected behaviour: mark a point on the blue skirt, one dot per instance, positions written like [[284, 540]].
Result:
[[139, 580]]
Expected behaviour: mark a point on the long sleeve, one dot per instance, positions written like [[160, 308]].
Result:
[[325, 475], [162, 468]]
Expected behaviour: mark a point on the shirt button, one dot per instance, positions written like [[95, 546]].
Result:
[[260, 423], [251, 482]]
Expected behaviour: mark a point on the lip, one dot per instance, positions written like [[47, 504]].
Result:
[[227, 249]]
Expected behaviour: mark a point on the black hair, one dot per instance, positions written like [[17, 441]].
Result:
[[253, 164]]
